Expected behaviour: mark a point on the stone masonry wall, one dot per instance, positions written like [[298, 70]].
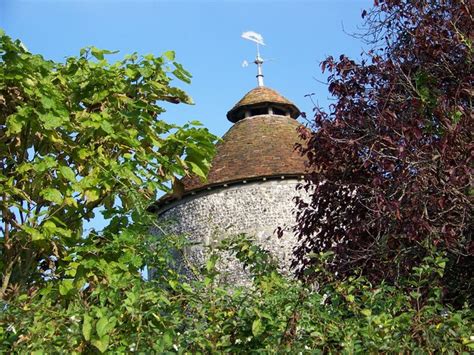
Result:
[[255, 208]]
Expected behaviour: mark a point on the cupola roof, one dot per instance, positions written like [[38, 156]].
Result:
[[261, 96]]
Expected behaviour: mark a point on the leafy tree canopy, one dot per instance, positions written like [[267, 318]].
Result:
[[80, 136], [392, 159]]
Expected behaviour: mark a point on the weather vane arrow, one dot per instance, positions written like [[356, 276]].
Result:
[[258, 39], [254, 37]]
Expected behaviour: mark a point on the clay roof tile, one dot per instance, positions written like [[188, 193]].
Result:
[[246, 153]]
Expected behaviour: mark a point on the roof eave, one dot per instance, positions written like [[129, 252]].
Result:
[[232, 114]]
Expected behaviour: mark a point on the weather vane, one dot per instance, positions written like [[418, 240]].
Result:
[[258, 39]]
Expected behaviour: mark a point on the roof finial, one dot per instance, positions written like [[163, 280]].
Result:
[[258, 39]]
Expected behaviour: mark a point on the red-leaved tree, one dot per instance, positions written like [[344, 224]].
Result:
[[392, 160]]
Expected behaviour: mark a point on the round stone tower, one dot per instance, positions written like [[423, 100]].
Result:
[[251, 183]]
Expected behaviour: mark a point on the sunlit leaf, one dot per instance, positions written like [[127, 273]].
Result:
[[87, 327], [53, 195], [67, 173]]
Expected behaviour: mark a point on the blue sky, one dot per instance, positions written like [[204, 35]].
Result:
[[206, 38]]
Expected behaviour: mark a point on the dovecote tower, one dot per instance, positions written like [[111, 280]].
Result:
[[251, 183]]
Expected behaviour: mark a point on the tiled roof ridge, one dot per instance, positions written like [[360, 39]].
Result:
[[262, 94]]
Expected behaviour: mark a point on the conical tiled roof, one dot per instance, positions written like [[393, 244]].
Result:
[[260, 146], [256, 146], [261, 96]]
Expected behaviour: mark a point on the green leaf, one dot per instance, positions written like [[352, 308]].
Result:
[[167, 339], [66, 286], [14, 124], [186, 287], [47, 102], [366, 312], [45, 164], [196, 169], [23, 168], [211, 263], [179, 74], [106, 127], [170, 55], [257, 327], [87, 327], [102, 326], [173, 284], [34, 233], [456, 117], [181, 68], [67, 173], [50, 227], [51, 121], [131, 73], [92, 195], [52, 195], [97, 53], [83, 153], [146, 71], [101, 344]]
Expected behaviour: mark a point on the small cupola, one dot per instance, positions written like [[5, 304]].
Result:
[[262, 101]]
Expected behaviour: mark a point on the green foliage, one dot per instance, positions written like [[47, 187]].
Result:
[[106, 305], [78, 137], [84, 135]]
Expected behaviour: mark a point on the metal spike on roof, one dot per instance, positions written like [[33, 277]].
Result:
[[259, 62], [258, 40]]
